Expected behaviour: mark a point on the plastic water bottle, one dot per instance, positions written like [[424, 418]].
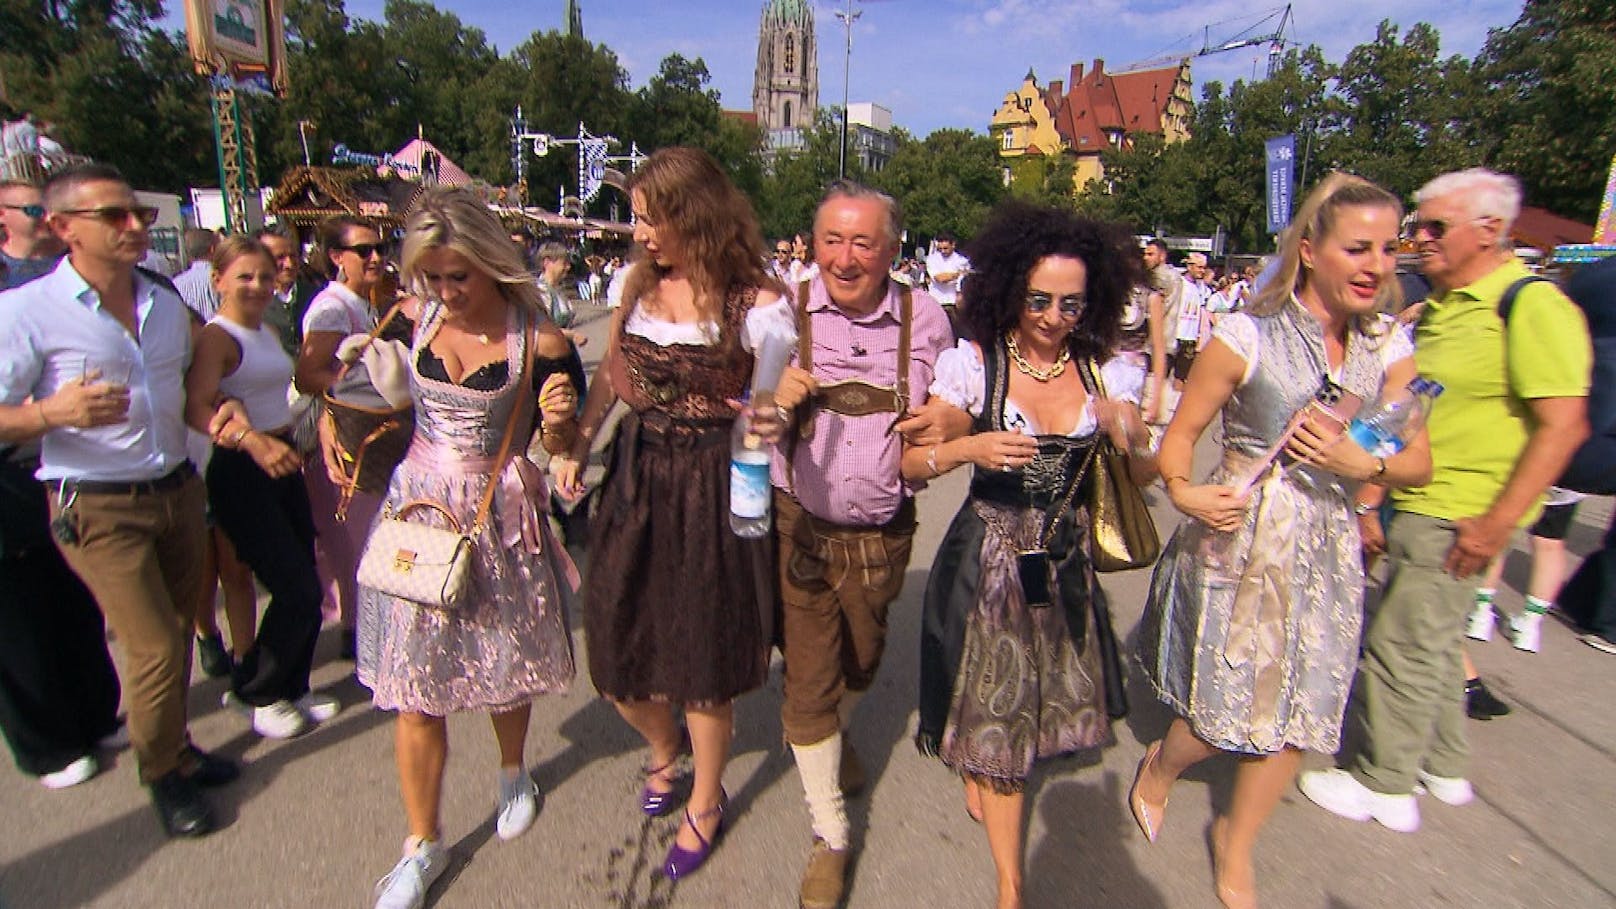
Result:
[[750, 498], [1395, 418]]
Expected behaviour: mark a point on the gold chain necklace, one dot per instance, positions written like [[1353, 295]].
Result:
[[1042, 375]]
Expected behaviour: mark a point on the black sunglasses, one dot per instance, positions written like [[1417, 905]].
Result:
[[782, 251], [1435, 227], [117, 215], [33, 211], [363, 250]]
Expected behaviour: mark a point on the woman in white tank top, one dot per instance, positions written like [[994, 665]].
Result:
[[256, 492]]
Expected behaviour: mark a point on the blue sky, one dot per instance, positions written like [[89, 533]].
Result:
[[941, 63]]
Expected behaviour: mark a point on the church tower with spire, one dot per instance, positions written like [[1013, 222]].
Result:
[[785, 89], [575, 20]]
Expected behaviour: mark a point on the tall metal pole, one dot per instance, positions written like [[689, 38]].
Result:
[[847, 17]]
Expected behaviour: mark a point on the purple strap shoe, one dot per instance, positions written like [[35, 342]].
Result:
[[657, 804], [682, 861]]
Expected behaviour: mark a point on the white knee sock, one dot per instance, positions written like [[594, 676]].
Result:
[[820, 766]]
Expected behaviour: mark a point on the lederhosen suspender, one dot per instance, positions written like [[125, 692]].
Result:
[[854, 397]]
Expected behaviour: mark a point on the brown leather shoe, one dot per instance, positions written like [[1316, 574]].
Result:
[[852, 779], [825, 878]]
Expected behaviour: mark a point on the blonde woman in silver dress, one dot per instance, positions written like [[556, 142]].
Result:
[[1251, 631]]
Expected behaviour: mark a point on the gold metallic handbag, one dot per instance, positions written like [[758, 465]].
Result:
[[1124, 534]]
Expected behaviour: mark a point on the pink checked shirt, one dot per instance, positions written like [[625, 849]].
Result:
[[849, 472]]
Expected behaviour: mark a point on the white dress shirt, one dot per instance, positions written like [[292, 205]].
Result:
[[946, 292], [55, 330]]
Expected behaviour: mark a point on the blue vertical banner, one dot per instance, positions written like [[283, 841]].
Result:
[[1281, 154]]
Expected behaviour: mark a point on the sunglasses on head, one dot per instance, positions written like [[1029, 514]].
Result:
[[1070, 306], [33, 211], [363, 250], [117, 215]]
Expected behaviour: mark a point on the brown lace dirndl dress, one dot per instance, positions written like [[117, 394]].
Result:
[[676, 606]]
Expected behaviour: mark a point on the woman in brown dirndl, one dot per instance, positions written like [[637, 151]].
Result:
[[676, 606]]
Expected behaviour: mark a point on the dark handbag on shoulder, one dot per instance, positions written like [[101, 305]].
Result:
[[1124, 534], [371, 435]]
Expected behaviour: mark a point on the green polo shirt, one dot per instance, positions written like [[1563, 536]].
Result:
[[1481, 422]]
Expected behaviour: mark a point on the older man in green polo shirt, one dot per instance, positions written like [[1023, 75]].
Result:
[[1512, 415]]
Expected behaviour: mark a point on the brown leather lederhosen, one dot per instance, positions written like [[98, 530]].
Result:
[[837, 580]]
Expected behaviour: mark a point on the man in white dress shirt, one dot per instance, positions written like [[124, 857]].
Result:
[[94, 366], [947, 267]]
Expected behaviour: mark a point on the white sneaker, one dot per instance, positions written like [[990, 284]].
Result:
[[518, 806], [406, 885], [318, 708], [1454, 791], [1526, 631], [279, 720], [71, 775], [1598, 642], [1340, 793], [1480, 626]]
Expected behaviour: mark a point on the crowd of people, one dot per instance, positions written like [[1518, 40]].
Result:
[[156, 446]]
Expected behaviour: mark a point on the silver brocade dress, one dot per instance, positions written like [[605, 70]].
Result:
[[509, 643], [1253, 638]]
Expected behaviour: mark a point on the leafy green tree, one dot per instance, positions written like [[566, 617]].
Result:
[[797, 179], [675, 107], [1548, 112], [1403, 111], [947, 182], [77, 65]]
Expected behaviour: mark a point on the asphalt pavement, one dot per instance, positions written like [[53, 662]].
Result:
[[315, 820]]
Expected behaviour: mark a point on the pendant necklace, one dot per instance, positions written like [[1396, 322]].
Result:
[[1042, 375]]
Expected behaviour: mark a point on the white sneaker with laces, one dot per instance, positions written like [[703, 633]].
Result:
[[406, 885], [518, 806], [1480, 626], [1340, 793], [1455, 791], [1526, 631], [318, 708], [73, 774]]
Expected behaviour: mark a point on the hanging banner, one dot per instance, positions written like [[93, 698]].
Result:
[[592, 156], [1281, 155]]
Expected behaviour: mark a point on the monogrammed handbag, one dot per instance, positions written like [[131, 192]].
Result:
[[431, 566]]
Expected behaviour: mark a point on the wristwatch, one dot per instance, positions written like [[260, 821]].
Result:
[[1362, 508]]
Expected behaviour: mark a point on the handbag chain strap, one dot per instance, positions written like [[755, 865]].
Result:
[[523, 392]]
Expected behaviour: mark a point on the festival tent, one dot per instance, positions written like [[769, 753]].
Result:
[[425, 158]]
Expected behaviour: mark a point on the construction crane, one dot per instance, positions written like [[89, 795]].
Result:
[[1275, 40]]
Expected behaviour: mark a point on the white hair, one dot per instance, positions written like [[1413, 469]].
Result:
[[1484, 193]]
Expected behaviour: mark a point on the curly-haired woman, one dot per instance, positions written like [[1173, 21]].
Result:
[[1010, 664]]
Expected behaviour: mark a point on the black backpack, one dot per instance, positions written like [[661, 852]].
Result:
[[1593, 289]]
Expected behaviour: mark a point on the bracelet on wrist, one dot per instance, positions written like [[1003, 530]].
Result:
[[44, 421], [235, 441], [931, 462], [1380, 470], [1363, 509]]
